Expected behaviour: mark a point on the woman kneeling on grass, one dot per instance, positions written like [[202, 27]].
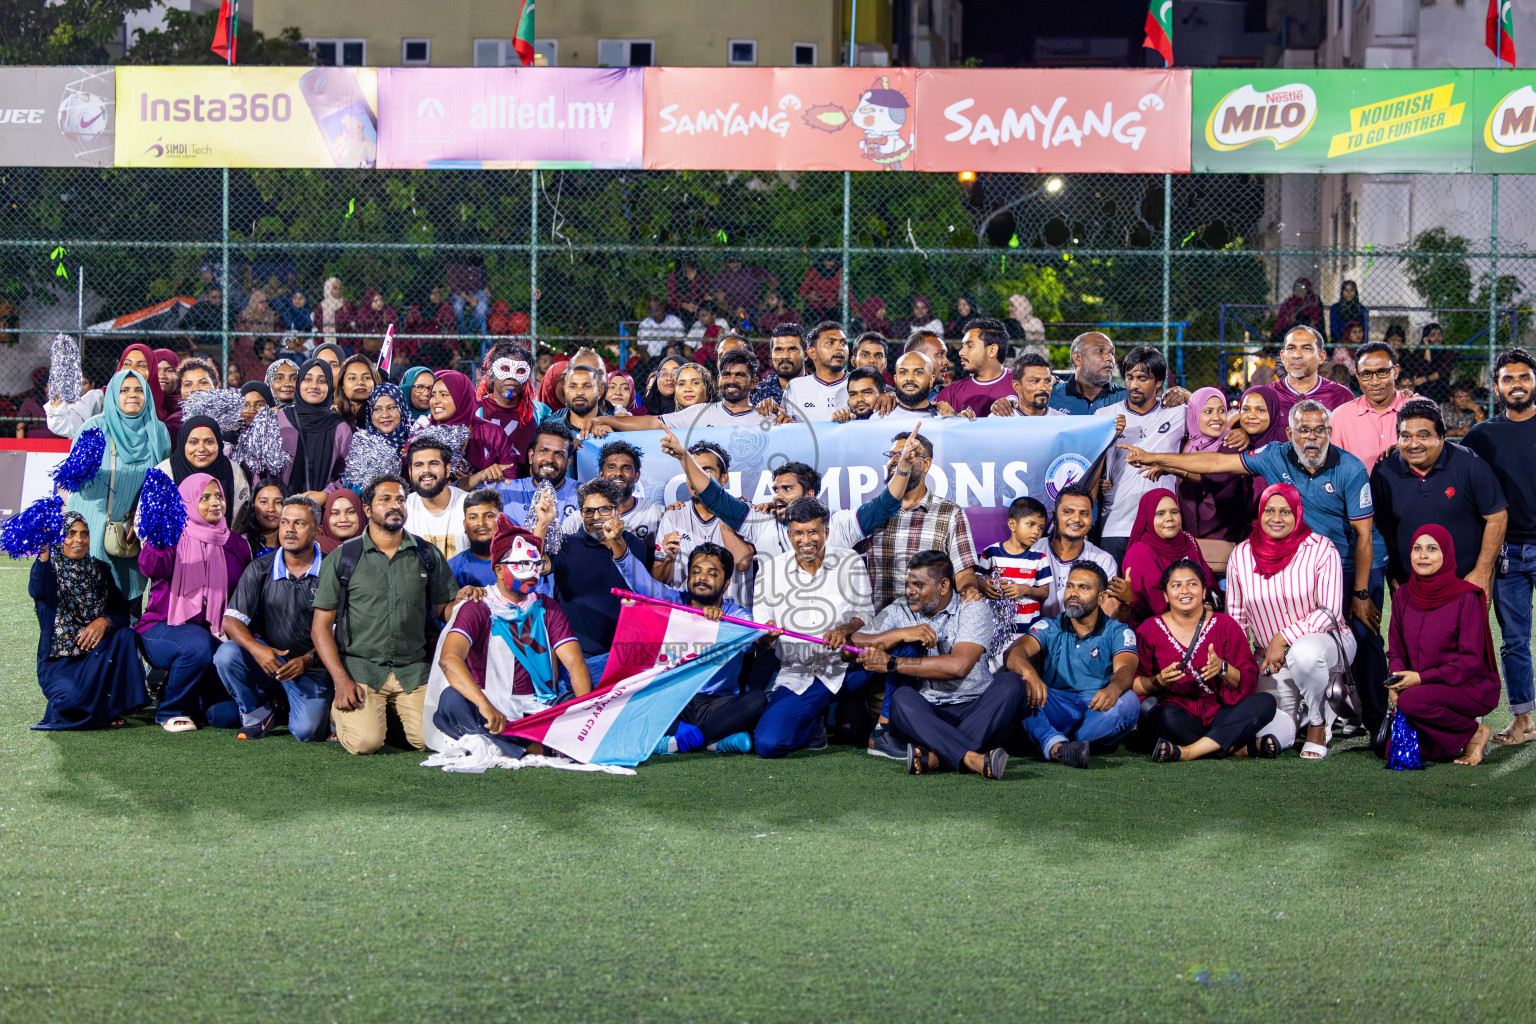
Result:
[[1198, 664], [87, 661], [1441, 653]]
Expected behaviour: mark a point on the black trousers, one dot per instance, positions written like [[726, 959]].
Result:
[[719, 715], [1232, 726], [954, 730]]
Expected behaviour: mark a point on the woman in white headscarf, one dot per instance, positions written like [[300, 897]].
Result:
[[1024, 326], [334, 312]]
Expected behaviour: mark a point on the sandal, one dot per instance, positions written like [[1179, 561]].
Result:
[[994, 763], [1266, 747], [1165, 751], [917, 760], [1313, 751], [181, 723]]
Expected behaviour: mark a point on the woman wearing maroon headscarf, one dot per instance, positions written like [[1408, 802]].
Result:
[[1158, 539], [1441, 653], [169, 404], [1285, 586], [487, 451]]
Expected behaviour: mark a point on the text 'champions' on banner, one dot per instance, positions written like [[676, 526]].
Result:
[[982, 465], [511, 118], [247, 117]]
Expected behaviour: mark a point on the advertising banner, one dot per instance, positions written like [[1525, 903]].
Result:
[[508, 118], [1129, 122], [57, 117], [789, 119], [982, 465], [247, 117], [1333, 122], [1504, 121]]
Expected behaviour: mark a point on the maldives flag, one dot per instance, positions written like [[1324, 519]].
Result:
[[224, 36], [522, 42], [1501, 30], [1159, 29]]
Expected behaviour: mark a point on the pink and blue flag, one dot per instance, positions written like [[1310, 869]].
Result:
[[662, 655]]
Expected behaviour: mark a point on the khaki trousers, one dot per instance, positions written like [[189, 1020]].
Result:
[[361, 730]]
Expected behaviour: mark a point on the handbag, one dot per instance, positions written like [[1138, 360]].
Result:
[[119, 539]]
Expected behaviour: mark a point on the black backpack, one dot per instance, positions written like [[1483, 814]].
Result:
[[347, 555]]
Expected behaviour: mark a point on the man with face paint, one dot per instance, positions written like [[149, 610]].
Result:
[[501, 657], [551, 457], [509, 401], [722, 715]]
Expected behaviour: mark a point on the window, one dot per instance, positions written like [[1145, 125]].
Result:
[[347, 53], [805, 55], [626, 53], [741, 52], [498, 53], [416, 51]]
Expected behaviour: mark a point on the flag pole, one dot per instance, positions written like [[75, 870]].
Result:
[[628, 595], [234, 32]]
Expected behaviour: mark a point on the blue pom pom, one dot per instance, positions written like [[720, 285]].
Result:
[[1403, 752], [40, 525], [162, 516], [84, 461]]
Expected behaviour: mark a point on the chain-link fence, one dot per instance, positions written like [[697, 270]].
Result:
[[235, 264]]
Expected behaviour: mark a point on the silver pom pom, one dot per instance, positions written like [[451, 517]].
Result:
[[260, 448], [1003, 611], [223, 405], [64, 369], [556, 533], [454, 437], [369, 458]]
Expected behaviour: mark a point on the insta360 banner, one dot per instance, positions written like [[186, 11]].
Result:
[[247, 117]]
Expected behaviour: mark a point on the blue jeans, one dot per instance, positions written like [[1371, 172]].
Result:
[[186, 653], [1065, 716], [309, 696], [473, 322], [1512, 588], [789, 721]]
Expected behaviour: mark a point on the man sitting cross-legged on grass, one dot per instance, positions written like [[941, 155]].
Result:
[[1080, 699], [816, 591], [955, 710], [720, 717], [502, 655]]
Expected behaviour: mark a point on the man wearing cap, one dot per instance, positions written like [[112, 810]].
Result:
[[501, 656]]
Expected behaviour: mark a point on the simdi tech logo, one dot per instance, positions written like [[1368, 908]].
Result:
[[1247, 115], [1512, 124]]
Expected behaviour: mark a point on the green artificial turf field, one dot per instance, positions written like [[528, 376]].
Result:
[[148, 876]]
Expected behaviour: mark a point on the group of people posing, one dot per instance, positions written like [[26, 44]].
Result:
[[357, 549]]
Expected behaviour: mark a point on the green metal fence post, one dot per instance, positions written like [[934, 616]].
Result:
[[843, 288], [533, 263], [1167, 254], [1493, 285], [224, 305]]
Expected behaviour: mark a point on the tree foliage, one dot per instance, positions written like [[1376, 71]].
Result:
[[187, 38], [63, 31]]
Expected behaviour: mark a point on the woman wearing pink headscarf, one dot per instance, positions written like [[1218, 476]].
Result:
[[1217, 507], [189, 587]]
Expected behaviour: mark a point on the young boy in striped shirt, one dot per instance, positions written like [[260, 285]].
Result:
[[1013, 570]]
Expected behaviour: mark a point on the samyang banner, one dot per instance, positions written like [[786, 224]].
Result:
[[982, 465], [1333, 122], [247, 117], [57, 116], [510, 118], [1126, 122], [786, 119]]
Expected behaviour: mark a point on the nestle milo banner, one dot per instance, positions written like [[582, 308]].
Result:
[[1504, 122], [981, 465], [1299, 121]]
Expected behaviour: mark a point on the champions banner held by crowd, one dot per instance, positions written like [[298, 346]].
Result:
[[981, 465]]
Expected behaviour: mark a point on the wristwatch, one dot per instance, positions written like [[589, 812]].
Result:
[[1364, 595]]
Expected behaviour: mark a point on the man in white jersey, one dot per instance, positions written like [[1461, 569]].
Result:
[[1143, 421], [619, 463], [814, 398], [683, 529], [738, 374]]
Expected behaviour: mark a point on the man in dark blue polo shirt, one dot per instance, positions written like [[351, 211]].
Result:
[[1336, 502], [1427, 481], [267, 621], [1091, 388], [1507, 442]]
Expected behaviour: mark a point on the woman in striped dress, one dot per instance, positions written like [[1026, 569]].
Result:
[[1285, 586]]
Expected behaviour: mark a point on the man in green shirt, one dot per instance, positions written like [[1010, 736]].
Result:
[[398, 583]]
